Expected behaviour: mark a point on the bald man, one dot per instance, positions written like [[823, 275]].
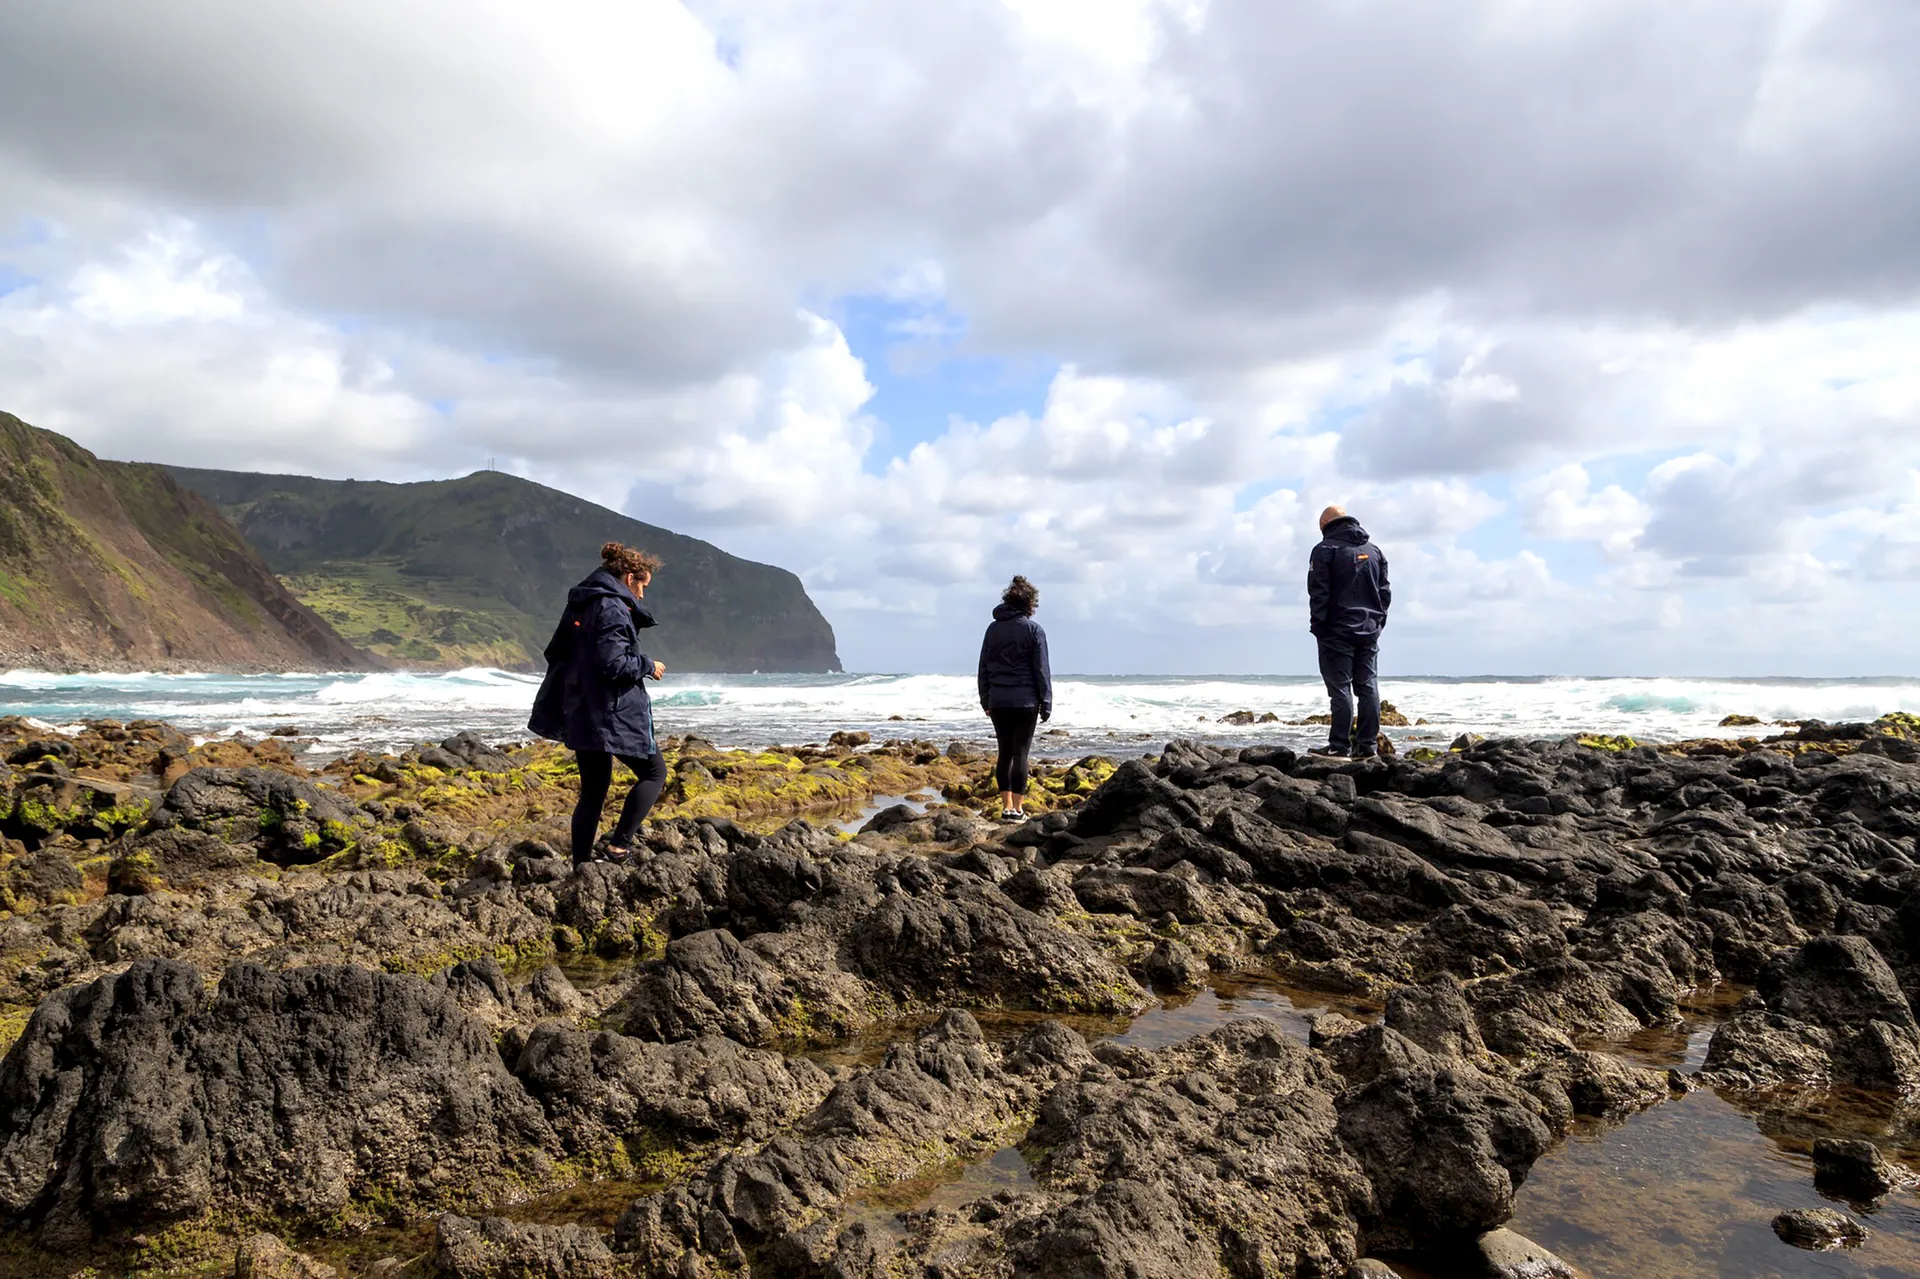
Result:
[[1348, 595]]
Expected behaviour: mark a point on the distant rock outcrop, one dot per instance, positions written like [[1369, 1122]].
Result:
[[474, 571], [112, 565]]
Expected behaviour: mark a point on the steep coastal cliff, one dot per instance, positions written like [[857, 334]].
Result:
[[473, 571], [115, 564]]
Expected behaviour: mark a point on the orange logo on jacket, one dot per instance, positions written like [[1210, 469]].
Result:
[[1357, 557]]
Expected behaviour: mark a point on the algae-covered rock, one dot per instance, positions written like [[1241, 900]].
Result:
[[46, 803], [29, 881], [284, 818]]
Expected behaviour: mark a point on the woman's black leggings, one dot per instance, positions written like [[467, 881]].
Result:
[[1013, 729], [596, 776]]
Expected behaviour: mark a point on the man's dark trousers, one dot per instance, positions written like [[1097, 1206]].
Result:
[[1351, 670]]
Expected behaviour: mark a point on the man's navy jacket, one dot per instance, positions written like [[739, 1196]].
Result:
[[1347, 588]]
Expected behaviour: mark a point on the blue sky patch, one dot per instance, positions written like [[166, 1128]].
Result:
[[923, 376]]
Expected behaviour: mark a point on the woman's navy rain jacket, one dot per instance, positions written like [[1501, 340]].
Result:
[[1014, 671], [594, 697]]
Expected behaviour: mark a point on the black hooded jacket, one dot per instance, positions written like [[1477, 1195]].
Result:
[[594, 696], [1014, 671], [1347, 590]]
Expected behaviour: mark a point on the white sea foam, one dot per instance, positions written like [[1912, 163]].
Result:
[[390, 710]]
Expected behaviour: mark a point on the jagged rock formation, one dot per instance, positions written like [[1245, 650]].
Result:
[[1506, 910], [109, 565]]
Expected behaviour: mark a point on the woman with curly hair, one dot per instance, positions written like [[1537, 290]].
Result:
[[594, 697], [1016, 689]]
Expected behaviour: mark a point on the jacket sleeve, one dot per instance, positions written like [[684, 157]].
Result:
[[1042, 673], [613, 652], [983, 670], [1386, 590], [1319, 589], [642, 618]]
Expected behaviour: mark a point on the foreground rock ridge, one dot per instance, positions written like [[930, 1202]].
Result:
[[115, 565], [253, 998]]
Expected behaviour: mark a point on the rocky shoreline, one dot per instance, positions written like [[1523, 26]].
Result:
[[253, 1003]]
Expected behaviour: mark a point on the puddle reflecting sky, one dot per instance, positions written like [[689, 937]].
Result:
[[1228, 999], [1690, 1188]]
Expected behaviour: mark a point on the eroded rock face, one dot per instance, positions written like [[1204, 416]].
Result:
[[1444, 1145], [1834, 1010], [1506, 903], [601, 1089], [798, 938], [940, 1093], [464, 1248], [1164, 1160], [142, 1097]]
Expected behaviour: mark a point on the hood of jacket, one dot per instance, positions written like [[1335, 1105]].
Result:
[[1001, 612], [601, 584], [1346, 529]]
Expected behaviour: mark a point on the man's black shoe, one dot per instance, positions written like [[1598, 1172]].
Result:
[[1334, 751], [1366, 754]]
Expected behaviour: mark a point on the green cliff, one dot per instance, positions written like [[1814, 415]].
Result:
[[474, 571], [110, 565]]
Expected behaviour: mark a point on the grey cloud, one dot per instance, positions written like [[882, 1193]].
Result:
[[1626, 159], [1292, 174], [405, 175], [1449, 426], [1714, 516]]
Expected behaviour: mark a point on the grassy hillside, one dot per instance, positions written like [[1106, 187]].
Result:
[[474, 571], [114, 564]]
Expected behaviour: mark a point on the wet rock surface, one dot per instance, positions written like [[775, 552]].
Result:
[[268, 1257], [1514, 910], [1818, 1228]]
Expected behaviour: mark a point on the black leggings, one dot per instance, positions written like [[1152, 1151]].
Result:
[[596, 775], [1013, 729]]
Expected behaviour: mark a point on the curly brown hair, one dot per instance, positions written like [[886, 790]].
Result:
[[1021, 594], [625, 561]]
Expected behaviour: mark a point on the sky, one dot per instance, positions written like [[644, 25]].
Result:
[[1603, 316]]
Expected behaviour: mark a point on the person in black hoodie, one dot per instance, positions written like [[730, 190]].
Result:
[[594, 697], [1016, 689], [1348, 595]]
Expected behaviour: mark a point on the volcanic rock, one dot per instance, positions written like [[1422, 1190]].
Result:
[[142, 1098], [1818, 1229]]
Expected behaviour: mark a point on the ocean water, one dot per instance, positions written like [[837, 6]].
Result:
[[1110, 714]]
